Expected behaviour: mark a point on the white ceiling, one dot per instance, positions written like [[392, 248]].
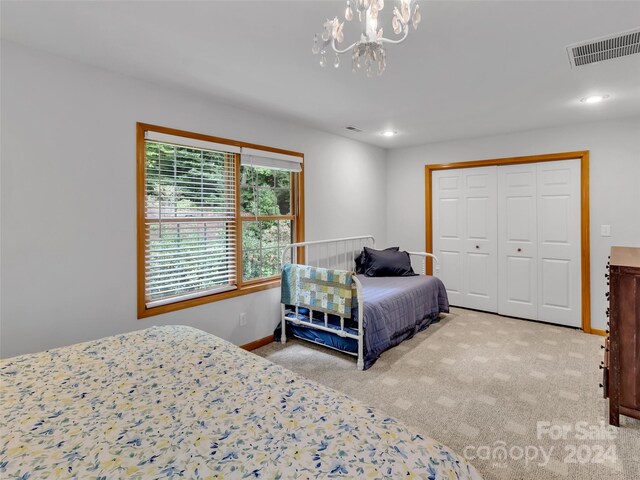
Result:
[[472, 68]]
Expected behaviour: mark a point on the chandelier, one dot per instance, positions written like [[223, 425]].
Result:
[[368, 53]]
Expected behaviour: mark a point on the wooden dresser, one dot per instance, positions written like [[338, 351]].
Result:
[[621, 379]]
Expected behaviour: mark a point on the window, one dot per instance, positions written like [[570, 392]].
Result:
[[213, 217], [267, 220]]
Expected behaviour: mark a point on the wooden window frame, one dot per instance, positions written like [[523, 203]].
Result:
[[585, 249], [243, 288]]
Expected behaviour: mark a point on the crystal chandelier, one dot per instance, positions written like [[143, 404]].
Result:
[[368, 53]]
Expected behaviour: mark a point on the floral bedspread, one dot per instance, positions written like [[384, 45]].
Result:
[[171, 402]]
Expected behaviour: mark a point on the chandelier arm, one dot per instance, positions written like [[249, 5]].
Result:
[[344, 50], [399, 40]]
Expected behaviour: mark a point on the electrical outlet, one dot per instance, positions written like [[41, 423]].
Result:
[[242, 319], [605, 230]]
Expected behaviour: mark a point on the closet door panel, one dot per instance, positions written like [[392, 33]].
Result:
[[559, 242], [478, 286], [518, 218], [448, 235], [522, 291], [517, 241], [481, 247], [556, 292], [451, 275]]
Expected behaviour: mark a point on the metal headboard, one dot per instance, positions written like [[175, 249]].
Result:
[[335, 253], [340, 253]]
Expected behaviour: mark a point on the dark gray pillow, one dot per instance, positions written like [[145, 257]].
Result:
[[361, 259], [386, 263]]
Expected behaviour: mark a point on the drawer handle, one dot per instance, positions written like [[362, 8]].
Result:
[[519, 249], [477, 246]]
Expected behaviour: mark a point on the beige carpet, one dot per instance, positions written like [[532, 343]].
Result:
[[478, 382]]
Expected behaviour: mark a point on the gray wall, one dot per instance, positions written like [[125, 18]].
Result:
[[614, 186], [68, 251], [68, 199]]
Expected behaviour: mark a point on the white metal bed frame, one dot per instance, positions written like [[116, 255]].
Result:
[[339, 254]]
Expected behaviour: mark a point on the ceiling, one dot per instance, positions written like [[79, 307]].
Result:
[[472, 68]]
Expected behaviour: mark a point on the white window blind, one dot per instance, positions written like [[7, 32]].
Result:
[[262, 158], [191, 142], [190, 221]]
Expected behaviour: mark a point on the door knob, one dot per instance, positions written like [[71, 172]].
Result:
[[519, 249]]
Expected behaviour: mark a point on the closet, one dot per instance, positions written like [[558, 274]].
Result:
[[508, 238], [465, 235]]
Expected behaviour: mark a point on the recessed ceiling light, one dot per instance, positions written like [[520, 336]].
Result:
[[389, 133], [594, 98]]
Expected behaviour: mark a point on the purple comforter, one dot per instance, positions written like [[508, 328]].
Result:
[[396, 308]]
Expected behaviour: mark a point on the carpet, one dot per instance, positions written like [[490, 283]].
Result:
[[519, 399]]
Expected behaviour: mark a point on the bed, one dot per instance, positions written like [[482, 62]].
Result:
[[385, 310], [171, 402]]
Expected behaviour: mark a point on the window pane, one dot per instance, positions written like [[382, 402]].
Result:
[[247, 176], [248, 202], [188, 257], [265, 177], [265, 191], [262, 245], [283, 179], [285, 237], [283, 199], [250, 264], [259, 234], [267, 202], [189, 221], [270, 262], [250, 236], [186, 182]]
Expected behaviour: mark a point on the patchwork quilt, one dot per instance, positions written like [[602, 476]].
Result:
[[322, 289], [176, 402]]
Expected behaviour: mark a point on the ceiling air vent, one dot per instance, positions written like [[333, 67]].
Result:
[[604, 48]]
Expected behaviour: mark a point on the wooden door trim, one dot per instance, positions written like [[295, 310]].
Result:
[[585, 253]]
